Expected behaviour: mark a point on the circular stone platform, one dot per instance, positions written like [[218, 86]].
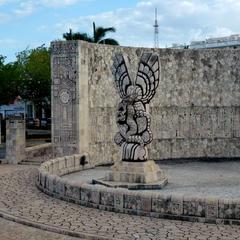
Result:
[[22, 202], [193, 179]]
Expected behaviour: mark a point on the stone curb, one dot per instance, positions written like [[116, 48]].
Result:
[[38, 147], [175, 207], [50, 228]]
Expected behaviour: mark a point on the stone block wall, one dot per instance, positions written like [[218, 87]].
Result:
[[65, 165], [195, 112], [15, 140], [41, 152]]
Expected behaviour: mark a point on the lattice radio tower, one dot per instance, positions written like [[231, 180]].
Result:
[[156, 30]]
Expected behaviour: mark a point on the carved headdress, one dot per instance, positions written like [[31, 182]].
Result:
[[144, 86], [132, 119]]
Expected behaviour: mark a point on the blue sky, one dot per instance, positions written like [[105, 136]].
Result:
[[31, 23]]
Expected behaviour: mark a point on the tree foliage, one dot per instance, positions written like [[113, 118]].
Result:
[[99, 34], [29, 77], [37, 78], [77, 36], [10, 84]]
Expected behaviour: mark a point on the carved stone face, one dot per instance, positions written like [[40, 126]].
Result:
[[134, 93], [121, 115]]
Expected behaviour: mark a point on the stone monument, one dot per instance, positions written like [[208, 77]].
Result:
[[69, 98], [135, 171], [15, 140]]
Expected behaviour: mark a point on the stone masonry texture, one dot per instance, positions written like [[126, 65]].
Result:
[[14, 231], [184, 203], [195, 112], [15, 140]]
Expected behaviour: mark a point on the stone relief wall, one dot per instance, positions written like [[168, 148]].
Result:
[[65, 72], [195, 112]]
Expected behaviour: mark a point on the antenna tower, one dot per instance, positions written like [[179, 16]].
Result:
[[156, 30]]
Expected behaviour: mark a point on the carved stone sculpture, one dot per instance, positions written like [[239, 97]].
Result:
[[136, 90], [132, 119]]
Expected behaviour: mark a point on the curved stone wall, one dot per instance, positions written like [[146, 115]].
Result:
[[211, 210], [195, 112]]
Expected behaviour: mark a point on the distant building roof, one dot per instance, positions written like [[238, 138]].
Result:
[[220, 42]]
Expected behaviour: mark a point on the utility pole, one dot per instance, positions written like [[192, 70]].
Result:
[[156, 44]]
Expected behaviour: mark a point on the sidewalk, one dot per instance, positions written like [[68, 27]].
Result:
[[20, 199], [14, 231]]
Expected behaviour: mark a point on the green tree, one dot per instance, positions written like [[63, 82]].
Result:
[[29, 77], [10, 81], [2, 59], [36, 77], [77, 36], [99, 34]]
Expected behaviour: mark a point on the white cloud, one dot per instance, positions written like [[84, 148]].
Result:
[[60, 3], [180, 21], [197, 20], [57, 3], [221, 32], [28, 7], [131, 24], [25, 8], [144, 4], [8, 42]]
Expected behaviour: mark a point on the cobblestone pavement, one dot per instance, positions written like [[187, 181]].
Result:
[[13, 231], [20, 197]]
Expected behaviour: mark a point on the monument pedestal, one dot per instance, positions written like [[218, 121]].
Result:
[[15, 141], [135, 175]]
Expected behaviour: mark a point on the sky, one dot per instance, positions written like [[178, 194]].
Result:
[[31, 23]]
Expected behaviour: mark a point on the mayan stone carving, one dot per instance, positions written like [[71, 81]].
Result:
[[135, 92], [64, 97]]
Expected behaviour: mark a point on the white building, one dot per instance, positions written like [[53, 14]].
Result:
[[232, 41]]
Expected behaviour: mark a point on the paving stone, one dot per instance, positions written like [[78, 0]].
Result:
[[20, 197], [13, 231]]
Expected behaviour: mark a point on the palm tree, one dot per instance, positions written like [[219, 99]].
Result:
[[98, 36], [100, 32], [68, 36], [76, 36]]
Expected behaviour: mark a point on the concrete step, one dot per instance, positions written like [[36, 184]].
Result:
[[30, 163]]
